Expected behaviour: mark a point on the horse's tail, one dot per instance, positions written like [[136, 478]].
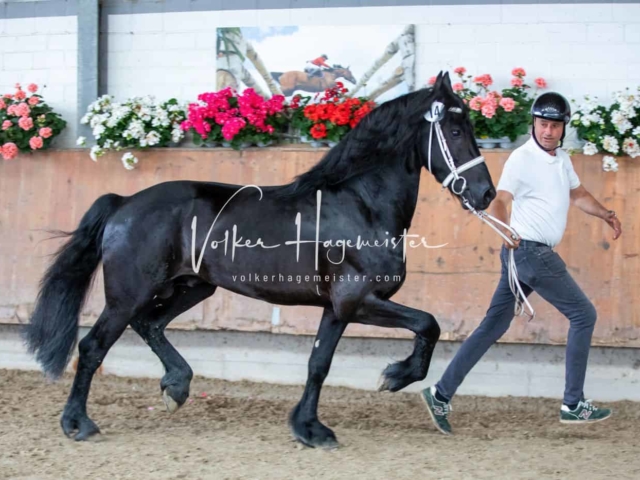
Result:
[[53, 329], [276, 76]]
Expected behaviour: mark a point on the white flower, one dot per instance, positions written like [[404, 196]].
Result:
[[81, 141], [96, 152], [117, 114], [592, 118], [636, 132], [628, 103], [98, 120], [161, 118], [589, 149], [147, 100], [609, 164], [98, 130], [621, 122], [108, 144], [135, 130], [84, 120], [630, 147], [129, 161], [610, 144], [176, 134], [145, 114], [152, 138]]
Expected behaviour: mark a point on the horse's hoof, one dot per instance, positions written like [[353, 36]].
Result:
[[383, 384], [327, 443], [170, 403], [314, 434], [73, 421]]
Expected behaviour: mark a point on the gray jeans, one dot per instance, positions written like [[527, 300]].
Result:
[[540, 269]]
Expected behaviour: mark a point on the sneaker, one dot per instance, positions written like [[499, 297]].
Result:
[[585, 412], [439, 411]]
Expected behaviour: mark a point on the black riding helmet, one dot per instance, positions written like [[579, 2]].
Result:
[[551, 106]]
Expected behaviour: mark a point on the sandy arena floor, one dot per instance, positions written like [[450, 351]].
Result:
[[239, 431]]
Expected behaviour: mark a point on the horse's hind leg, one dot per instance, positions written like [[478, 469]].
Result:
[[385, 313], [150, 326], [303, 420], [92, 348]]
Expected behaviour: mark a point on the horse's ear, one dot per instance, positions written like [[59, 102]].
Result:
[[446, 82], [438, 84]]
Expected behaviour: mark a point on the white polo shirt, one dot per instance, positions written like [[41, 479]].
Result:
[[540, 184]]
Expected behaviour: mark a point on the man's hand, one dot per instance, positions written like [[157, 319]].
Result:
[[614, 223], [515, 242]]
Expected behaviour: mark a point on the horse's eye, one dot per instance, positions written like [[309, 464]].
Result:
[[455, 133]]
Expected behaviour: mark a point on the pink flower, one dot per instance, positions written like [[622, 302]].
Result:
[[2, 104], [432, 81], [494, 96], [518, 72], [508, 104], [232, 127], [476, 103], [46, 132], [7, 124], [457, 87], [19, 110], [20, 95], [17, 85], [9, 151], [35, 143], [484, 80], [540, 82], [517, 82], [26, 123], [33, 88], [488, 109], [33, 101], [460, 70]]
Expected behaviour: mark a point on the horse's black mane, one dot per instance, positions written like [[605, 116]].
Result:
[[390, 131]]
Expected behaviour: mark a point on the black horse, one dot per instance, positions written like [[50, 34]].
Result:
[[168, 247]]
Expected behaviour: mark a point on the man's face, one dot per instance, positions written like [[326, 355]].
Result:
[[548, 132]]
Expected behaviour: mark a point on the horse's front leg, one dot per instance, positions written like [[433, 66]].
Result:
[[303, 420], [385, 313]]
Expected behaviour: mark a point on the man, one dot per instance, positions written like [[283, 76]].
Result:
[[314, 67], [540, 180]]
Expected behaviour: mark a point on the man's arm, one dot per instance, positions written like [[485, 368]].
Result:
[[581, 198], [500, 210]]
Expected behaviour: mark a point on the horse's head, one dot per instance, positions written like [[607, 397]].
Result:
[[449, 150], [344, 72]]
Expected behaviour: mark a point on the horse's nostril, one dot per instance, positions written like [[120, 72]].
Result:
[[489, 195]]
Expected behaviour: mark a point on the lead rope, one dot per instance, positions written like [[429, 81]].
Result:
[[514, 284]]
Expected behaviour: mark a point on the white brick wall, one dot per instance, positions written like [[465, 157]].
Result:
[[43, 51], [587, 48]]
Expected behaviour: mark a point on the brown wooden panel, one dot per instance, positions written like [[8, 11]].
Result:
[[52, 190]]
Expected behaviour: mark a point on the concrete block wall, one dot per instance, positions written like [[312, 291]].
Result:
[[579, 48], [167, 48]]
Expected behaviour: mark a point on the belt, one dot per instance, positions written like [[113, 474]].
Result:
[[532, 244]]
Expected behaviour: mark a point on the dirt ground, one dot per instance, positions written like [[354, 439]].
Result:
[[239, 431]]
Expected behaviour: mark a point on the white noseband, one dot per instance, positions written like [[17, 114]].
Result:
[[434, 116]]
